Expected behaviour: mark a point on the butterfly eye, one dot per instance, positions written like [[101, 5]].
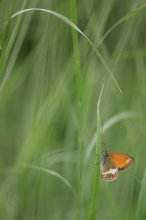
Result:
[[107, 156]]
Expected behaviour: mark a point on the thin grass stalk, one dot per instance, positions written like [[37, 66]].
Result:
[[7, 48], [73, 11], [96, 171], [141, 203], [6, 29]]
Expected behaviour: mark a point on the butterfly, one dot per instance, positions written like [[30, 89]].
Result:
[[112, 163]]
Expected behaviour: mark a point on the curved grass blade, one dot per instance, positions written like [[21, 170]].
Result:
[[117, 118], [123, 19], [53, 173], [71, 24]]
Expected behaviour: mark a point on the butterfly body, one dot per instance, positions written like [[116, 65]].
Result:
[[112, 163]]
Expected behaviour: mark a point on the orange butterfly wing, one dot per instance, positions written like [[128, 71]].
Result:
[[122, 161]]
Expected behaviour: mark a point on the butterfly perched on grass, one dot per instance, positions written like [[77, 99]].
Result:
[[112, 163]]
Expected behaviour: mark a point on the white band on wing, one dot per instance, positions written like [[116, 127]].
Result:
[[111, 171]]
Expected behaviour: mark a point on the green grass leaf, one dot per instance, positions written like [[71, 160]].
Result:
[[53, 173], [107, 125], [72, 25], [123, 19], [141, 204], [96, 171]]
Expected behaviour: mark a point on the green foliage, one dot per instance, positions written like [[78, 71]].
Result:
[[55, 57]]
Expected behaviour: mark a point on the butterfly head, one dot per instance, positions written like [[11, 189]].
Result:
[[104, 157]]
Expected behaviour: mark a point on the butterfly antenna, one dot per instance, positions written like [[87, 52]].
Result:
[[106, 146]]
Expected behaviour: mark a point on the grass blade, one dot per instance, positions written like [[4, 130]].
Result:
[[141, 206], [53, 173], [72, 25], [95, 181], [77, 61], [123, 19], [108, 124]]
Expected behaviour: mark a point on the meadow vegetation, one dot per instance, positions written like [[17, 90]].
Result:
[[72, 75]]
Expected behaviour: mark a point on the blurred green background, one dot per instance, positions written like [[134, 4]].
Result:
[[50, 81]]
